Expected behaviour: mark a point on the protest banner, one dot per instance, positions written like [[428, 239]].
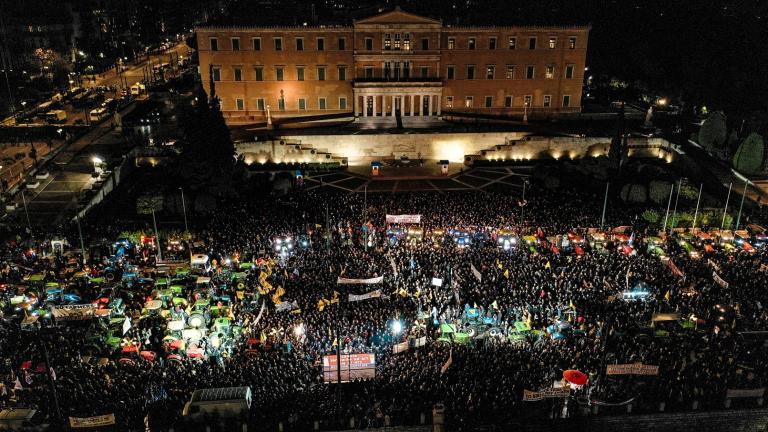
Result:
[[476, 273], [89, 422], [632, 369], [369, 281], [720, 281], [745, 393], [532, 396], [405, 218], [401, 347], [353, 367], [366, 296], [419, 342], [437, 282], [76, 312]]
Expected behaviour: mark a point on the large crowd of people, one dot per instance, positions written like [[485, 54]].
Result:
[[478, 381]]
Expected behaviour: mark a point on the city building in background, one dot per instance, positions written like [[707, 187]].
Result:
[[392, 65]]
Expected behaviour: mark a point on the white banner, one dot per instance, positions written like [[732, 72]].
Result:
[[530, 396], [401, 347], [366, 296], [369, 281], [420, 342], [394, 267], [476, 273], [632, 369], [745, 393], [73, 312], [437, 282], [89, 422], [406, 218], [719, 280]]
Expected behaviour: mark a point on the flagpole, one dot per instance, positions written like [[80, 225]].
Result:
[[725, 209], [669, 203], [696, 214], [741, 206], [365, 209], [674, 212], [605, 204]]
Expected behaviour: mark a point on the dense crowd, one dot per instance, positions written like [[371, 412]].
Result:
[[480, 382]]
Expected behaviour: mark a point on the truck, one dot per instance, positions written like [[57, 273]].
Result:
[[56, 116]]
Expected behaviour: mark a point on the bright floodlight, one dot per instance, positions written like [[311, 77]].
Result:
[[97, 160], [397, 327], [298, 331]]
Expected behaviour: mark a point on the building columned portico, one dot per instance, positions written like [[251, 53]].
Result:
[[416, 99]]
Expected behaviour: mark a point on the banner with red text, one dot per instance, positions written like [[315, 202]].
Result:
[[405, 218]]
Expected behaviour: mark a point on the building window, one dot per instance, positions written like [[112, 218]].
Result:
[[240, 104], [321, 104], [214, 44], [532, 43], [512, 42], [510, 72], [547, 100], [490, 72], [368, 44], [508, 101], [529, 72], [256, 44], [552, 42], [397, 41], [302, 104], [406, 44], [550, 72], [387, 41], [451, 72], [492, 43], [569, 72], [528, 101], [468, 101], [471, 43], [279, 73], [278, 44], [566, 101], [451, 43], [281, 104], [238, 73], [299, 44], [369, 72], [235, 44], [342, 73], [470, 72], [425, 44], [260, 104], [424, 72], [321, 44], [449, 101], [259, 73], [300, 73], [342, 103], [489, 101], [321, 74], [217, 74], [342, 44], [572, 42]]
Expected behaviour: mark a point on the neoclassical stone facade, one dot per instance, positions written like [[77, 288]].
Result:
[[392, 65]]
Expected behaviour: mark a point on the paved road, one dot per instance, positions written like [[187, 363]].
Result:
[[139, 72]]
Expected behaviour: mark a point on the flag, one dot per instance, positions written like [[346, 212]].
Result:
[[631, 239], [17, 384], [548, 265], [263, 337], [447, 363], [667, 295], [498, 264], [477, 274], [506, 273], [53, 373], [27, 377], [495, 305], [126, 325]]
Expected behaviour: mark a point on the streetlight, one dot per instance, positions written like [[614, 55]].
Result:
[[525, 112], [397, 327]]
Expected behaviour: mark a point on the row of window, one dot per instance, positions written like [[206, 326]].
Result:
[[396, 72], [258, 73], [301, 104], [511, 72], [528, 101], [469, 101], [392, 44]]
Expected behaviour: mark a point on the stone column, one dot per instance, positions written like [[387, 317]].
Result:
[[374, 104], [431, 109], [365, 105], [439, 104], [393, 104], [412, 99], [419, 104]]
